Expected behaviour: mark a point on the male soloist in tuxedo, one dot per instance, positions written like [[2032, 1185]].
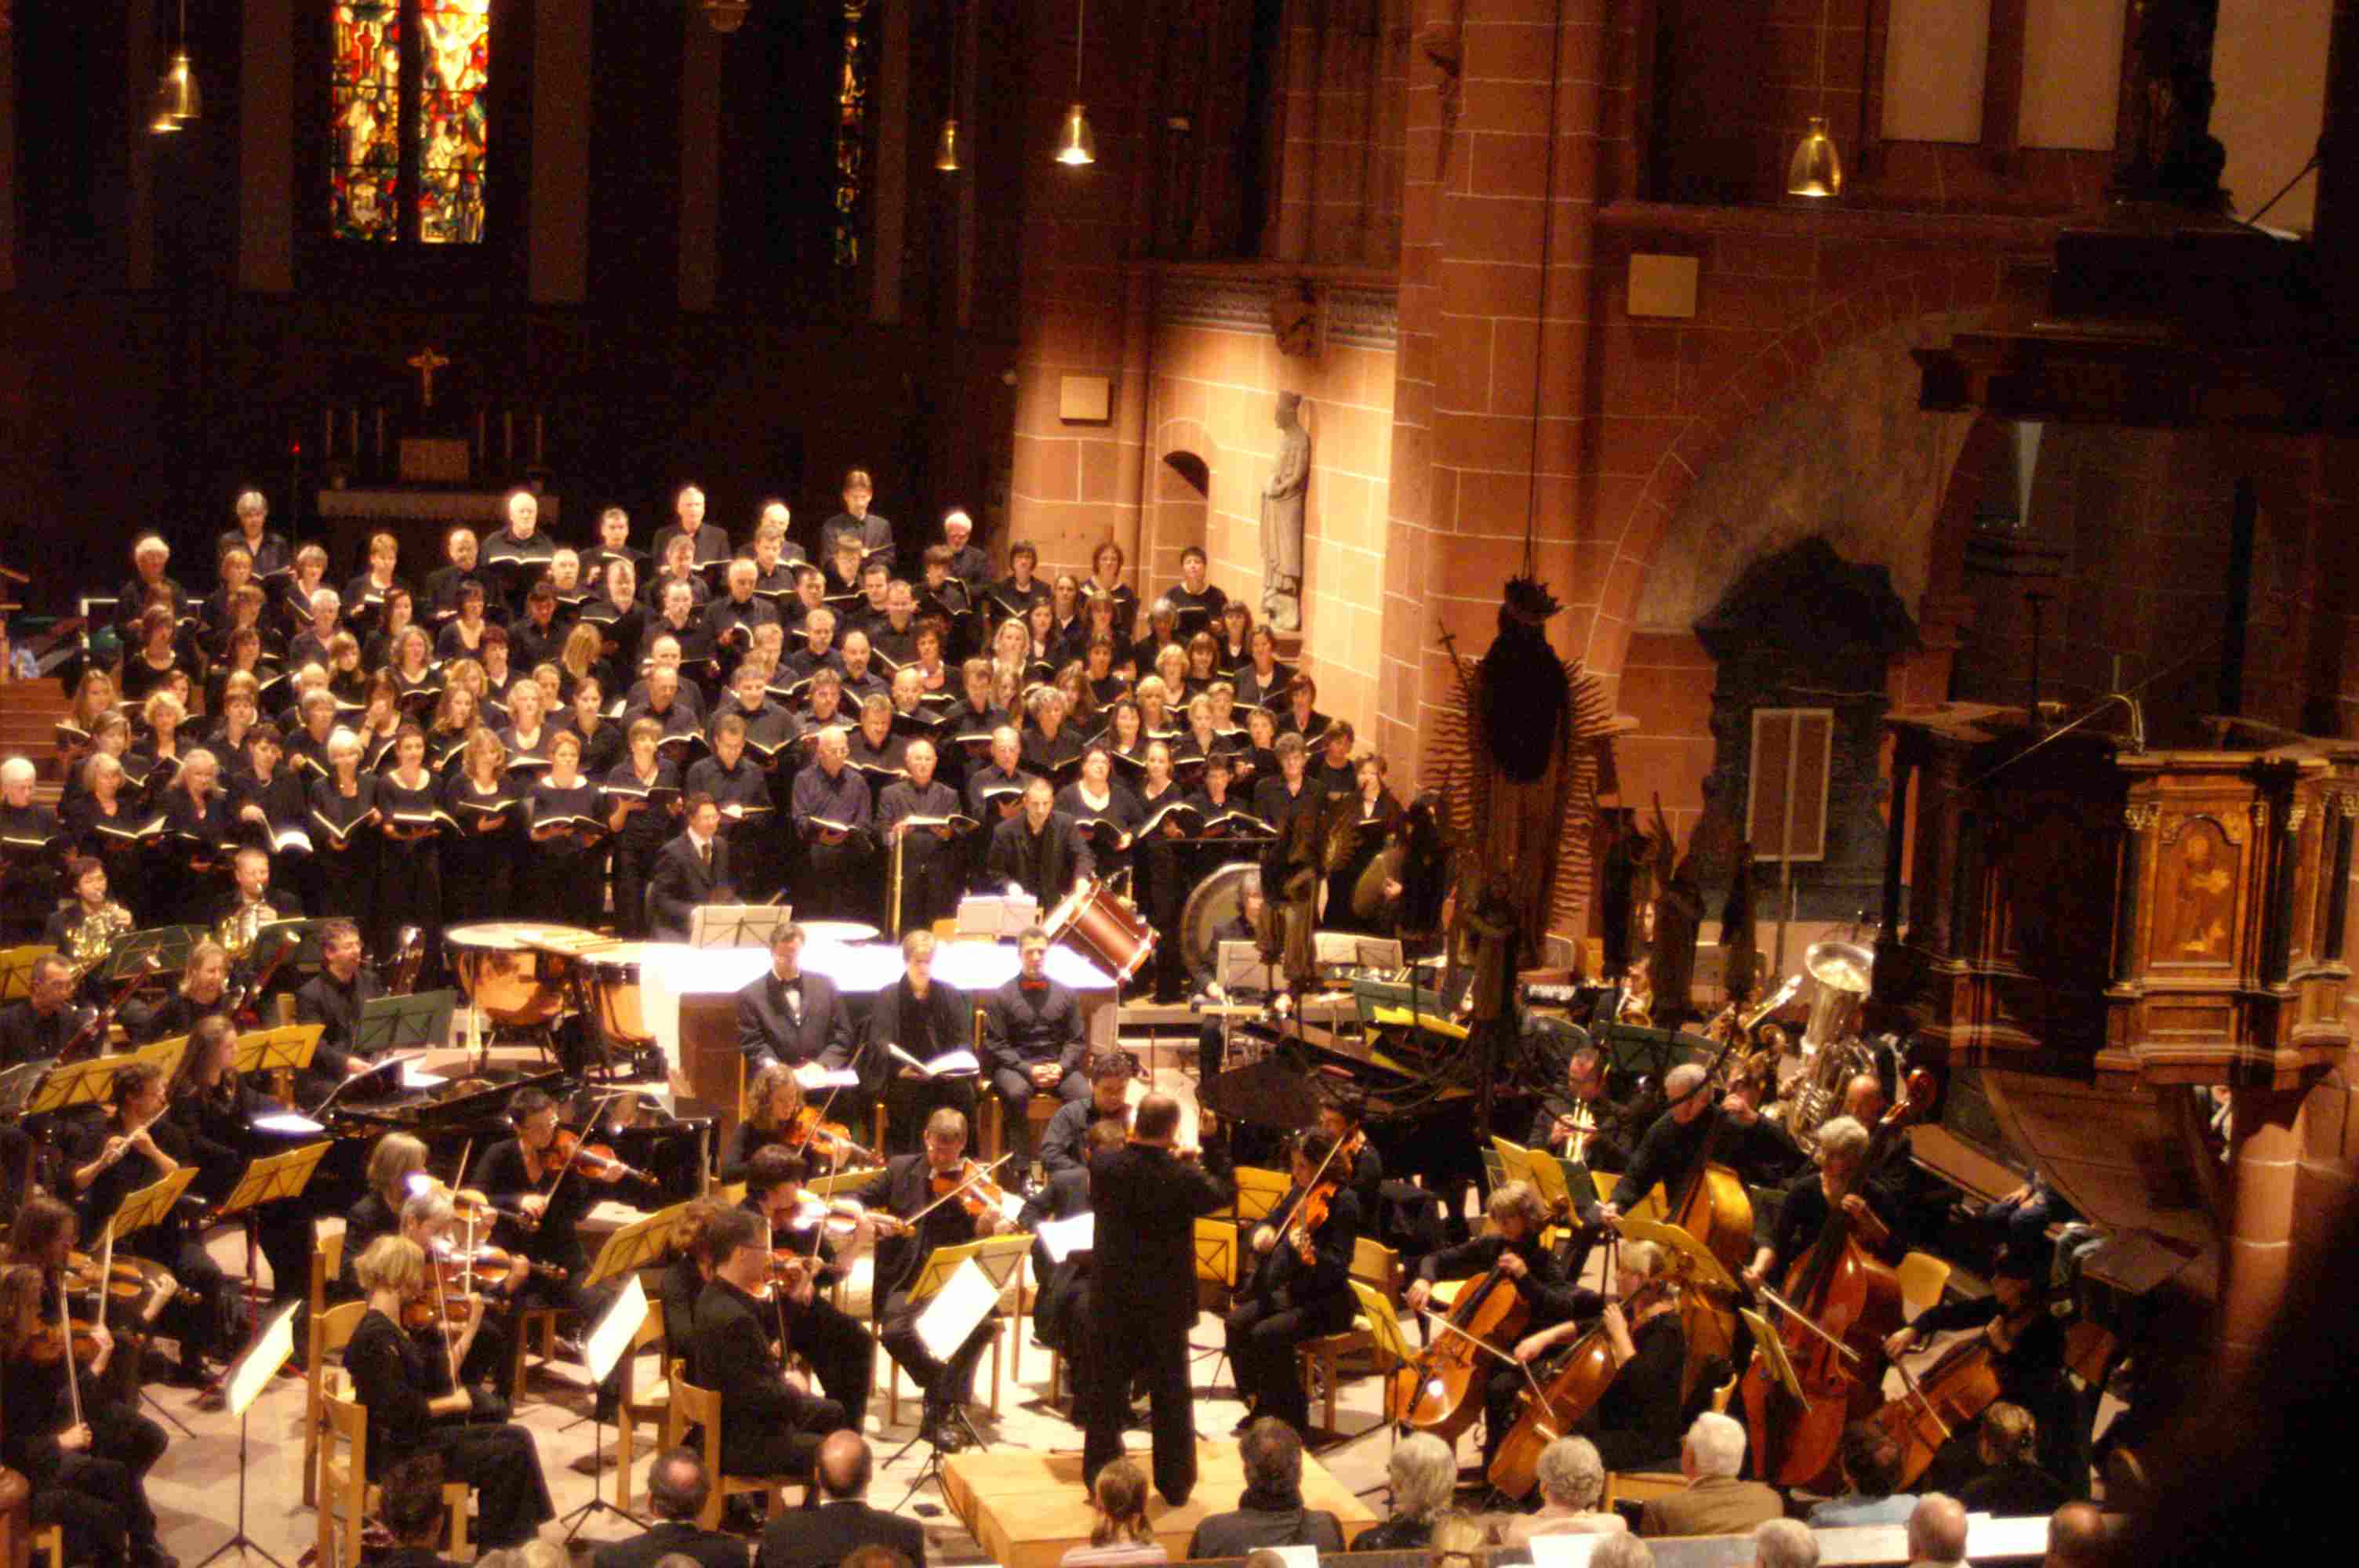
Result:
[[790, 1015], [691, 870]]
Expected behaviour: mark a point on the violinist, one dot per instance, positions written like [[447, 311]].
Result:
[[953, 1195], [1840, 1183], [213, 1114], [1635, 1421], [131, 1149], [89, 1474], [1061, 1303], [37, 1027], [1111, 1073], [774, 1427], [926, 1018], [687, 1274], [1510, 1246], [1343, 1118], [466, 1346], [1300, 1287], [775, 1107], [823, 1243], [2026, 1351], [391, 1376], [393, 1159]]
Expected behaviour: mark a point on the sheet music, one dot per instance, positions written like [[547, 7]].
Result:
[[270, 1350], [1297, 1556], [960, 1063], [1063, 1238], [1563, 1551], [286, 1121], [811, 1076], [965, 1299], [606, 1343]]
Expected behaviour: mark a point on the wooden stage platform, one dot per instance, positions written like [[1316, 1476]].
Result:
[[1026, 1507]]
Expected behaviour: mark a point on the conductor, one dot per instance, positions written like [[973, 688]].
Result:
[[1149, 1197]]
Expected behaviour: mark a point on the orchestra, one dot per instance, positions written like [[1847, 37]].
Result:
[[865, 748]]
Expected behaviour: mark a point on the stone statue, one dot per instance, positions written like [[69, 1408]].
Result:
[[1281, 519]]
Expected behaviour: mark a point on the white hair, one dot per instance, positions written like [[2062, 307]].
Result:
[[1841, 1139], [1423, 1472], [17, 770], [343, 741], [1715, 1444], [1680, 1079], [1784, 1543], [1621, 1551], [151, 544], [328, 597], [1571, 1473]]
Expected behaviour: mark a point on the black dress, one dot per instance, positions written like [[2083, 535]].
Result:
[[100, 1494], [562, 875], [390, 1375], [192, 865], [479, 879], [105, 837], [409, 871], [1161, 865], [347, 872], [644, 833]]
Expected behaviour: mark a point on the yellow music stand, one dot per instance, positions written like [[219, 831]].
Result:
[[151, 1204], [1216, 1252], [1259, 1191], [16, 970], [282, 1053], [76, 1083], [999, 1257], [842, 1181], [639, 1245], [1689, 1256], [273, 1178], [1766, 1345], [165, 1054]]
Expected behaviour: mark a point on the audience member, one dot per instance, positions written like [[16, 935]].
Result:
[[875, 1557], [1870, 1462], [2078, 1537], [1715, 1501], [1270, 1513], [2014, 1486], [1120, 1536], [412, 1509], [1571, 1478], [1422, 1473], [1459, 1541], [1784, 1543], [842, 1522], [1624, 1550], [1937, 1532], [678, 1489]]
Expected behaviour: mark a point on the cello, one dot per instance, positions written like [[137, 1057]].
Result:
[[1840, 1303], [1439, 1391], [1711, 1204], [1571, 1392], [1953, 1393]]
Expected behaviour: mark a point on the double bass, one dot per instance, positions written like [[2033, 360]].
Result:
[[1711, 1203], [1839, 1303]]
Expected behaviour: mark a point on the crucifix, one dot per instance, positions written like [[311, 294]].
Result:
[[426, 362]]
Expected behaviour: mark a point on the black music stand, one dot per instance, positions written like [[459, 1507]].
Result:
[[246, 1379], [404, 1023], [737, 925], [628, 1307], [170, 944], [268, 1180]]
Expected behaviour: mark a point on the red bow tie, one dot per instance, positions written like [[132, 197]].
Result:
[[1035, 985]]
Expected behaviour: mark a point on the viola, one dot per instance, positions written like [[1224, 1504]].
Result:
[[1438, 1390], [1573, 1388], [1839, 1305]]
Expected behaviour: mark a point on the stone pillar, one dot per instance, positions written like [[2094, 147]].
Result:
[[2264, 1146]]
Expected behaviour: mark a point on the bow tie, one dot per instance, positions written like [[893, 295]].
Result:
[[792, 982], [1034, 984]]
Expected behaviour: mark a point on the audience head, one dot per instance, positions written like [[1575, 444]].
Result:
[[1714, 1446], [1870, 1459], [2009, 1435], [869, 1557], [2078, 1537], [1784, 1543], [844, 1465], [678, 1485], [1119, 1496], [1571, 1473], [1458, 1540], [413, 1498], [1624, 1550], [1423, 1473], [1271, 1450], [1937, 1530]]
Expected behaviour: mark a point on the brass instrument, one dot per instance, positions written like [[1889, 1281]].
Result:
[[892, 886], [243, 924], [89, 942], [400, 973], [1831, 1050]]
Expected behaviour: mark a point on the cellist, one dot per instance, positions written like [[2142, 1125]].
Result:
[[1635, 1423], [2026, 1351], [1840, 1181], [1512, 1247], [1300, 1286]]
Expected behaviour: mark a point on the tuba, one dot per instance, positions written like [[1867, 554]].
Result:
[[1831, 1049], [89, 942]]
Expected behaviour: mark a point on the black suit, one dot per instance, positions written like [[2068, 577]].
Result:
[[709, 1548], [1046, 864], [769, 1428], [926, 1028], [1143, 1300], [902, 1187], [27, 1036], [681, 881], [771, 1029], [1065, 1194], [337, 1009], [1023, 1028], [824, 1536]]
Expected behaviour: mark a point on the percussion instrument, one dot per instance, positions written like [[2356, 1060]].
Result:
[[1103, 927], [843, 933], [516, 971], [614, 976]]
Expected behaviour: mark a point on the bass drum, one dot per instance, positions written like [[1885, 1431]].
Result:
[[1215, 904]]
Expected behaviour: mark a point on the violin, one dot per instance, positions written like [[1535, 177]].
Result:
[[596, 1161], [977, 1192], [1571, 1392], [830, 1141], [837, 1221], [45, 1344]]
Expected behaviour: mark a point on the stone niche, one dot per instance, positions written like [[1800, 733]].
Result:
[[1804, 628]]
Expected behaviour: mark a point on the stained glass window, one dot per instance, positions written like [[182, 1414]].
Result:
[[852, 135], [364, 98], [409, 125]]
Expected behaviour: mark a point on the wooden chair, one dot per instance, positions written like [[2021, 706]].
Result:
[[330, 1331], [631, 1409], [1376, 1332], [529, 1320], [346, 1498], [693, 1406], [1923, 1278], [50, 1542]]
